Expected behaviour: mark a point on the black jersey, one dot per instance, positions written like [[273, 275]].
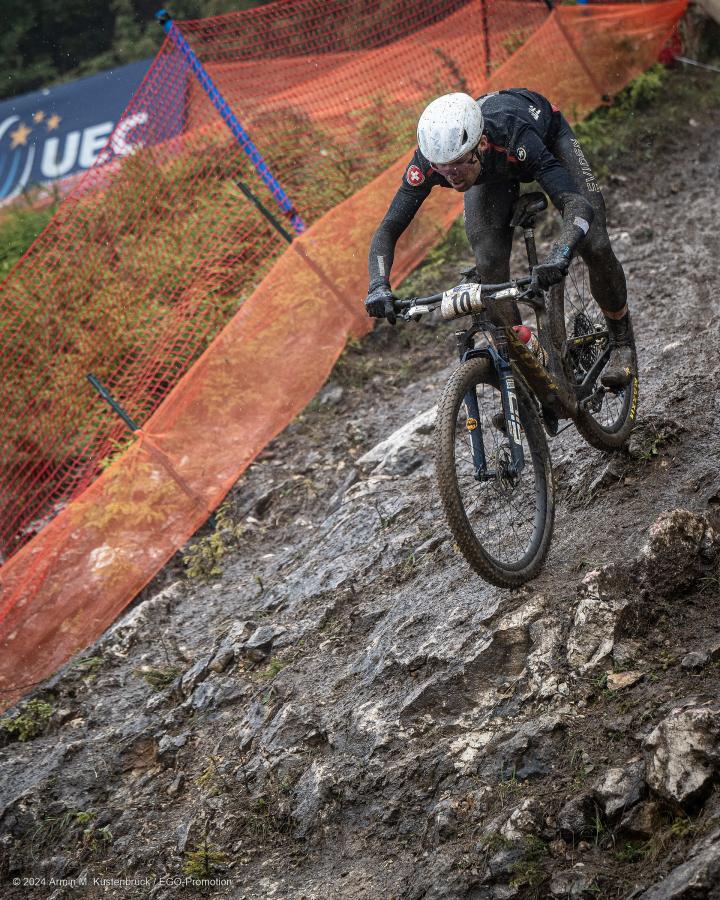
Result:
[[519, 125]]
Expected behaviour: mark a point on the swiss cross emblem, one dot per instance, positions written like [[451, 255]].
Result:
[[414, 176]]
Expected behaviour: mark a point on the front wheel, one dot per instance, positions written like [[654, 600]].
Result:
[[606, 417], [501, 522]]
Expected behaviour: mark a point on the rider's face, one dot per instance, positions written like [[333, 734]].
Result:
[[463, 173]]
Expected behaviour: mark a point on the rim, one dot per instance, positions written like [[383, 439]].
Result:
[[583, 317], [505, 511]]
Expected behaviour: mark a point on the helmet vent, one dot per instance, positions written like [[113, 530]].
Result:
[[465, 136]]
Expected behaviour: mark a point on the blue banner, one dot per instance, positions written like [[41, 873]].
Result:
[[60, 131]]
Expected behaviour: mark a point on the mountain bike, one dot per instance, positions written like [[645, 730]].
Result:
[[492, 461]]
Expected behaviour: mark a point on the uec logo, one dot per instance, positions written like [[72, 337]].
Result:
[[60, 154]]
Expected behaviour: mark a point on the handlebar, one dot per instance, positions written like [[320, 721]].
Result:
[[465, 299]]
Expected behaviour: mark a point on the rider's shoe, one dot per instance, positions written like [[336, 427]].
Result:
[[619, 369]]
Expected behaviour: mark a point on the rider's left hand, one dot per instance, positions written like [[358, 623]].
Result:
[[553, 269]]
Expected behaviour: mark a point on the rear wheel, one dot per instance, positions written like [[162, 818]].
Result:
[[606, 416], [502, 523]]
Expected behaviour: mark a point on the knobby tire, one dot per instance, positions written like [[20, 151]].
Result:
[[471, 539], [572, 304]]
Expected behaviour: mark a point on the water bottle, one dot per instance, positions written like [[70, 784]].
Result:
[[529, 338]]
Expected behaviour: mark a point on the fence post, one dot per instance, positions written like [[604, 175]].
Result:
[[486, 36], [231, 120]]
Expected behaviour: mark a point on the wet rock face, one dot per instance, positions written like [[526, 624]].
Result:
[[355, 714], [683, 753], [606, 602], [699, 877]]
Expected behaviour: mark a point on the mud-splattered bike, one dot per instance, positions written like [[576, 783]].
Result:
[[492, 459]]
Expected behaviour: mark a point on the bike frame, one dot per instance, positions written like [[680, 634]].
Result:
[[558, 398]]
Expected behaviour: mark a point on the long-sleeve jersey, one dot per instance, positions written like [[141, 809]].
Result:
[[520, 126]]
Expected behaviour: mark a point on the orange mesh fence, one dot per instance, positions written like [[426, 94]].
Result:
[[159, 276]]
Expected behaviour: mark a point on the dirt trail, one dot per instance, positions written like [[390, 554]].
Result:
[[346, 710]]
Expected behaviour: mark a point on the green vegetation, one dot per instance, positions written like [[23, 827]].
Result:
[[211, 780], [203, 558], [74, 830], [529, 871], [638, 119], [50, 41], [56, 40], [675, 829], [204, 861], [88, 664], [274, 666], [30, 722], [19, 226], [158, 677]]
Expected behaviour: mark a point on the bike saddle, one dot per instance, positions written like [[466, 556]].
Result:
[[526, 208]]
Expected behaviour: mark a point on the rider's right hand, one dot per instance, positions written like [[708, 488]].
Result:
[[379, 303]]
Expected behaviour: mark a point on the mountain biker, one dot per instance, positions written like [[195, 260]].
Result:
[[484, 148]]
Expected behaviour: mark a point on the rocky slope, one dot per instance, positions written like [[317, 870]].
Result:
[[327, 703]]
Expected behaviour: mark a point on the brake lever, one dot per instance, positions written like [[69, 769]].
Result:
[[532, 292]]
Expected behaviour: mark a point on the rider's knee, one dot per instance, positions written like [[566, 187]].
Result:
[[492, 262], [596, 248]]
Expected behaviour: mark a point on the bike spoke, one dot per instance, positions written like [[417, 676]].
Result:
[[584, 317], [502, 509]]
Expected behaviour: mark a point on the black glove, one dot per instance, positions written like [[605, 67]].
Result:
[[553, 269], [379, 303]]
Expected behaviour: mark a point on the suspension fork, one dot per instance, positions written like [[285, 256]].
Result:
[[465, 345], [509, 402], [475, 432], [499, 355]]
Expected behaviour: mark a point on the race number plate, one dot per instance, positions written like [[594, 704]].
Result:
[[461, 301]]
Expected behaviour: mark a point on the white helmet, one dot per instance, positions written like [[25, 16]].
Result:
[[449, 127]]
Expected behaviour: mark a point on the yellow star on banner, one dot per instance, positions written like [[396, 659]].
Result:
[[53, 122], [20, 135], [38, 117]]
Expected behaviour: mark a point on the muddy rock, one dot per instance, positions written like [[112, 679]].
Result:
[[142, 621], [618, 681], [524, 820], [695, 660], [258, 646], [642, 821], [445, 821], [680, 543], [570, 883], [621, 787], [606, 602], [230, 645], [401, 453], [683, 753], [195, 674], [420, 733], [577, 816]]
